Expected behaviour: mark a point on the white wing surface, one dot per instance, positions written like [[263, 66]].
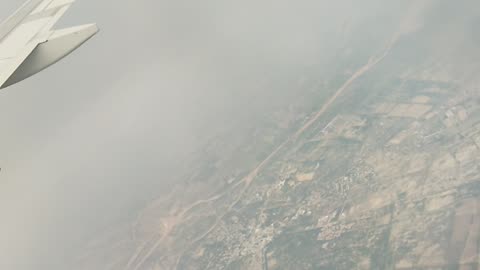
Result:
[[28, 44]]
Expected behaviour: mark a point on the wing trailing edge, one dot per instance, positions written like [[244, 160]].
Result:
[[60, 44], [28, 44]]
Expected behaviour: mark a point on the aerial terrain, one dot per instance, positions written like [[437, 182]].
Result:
[[369, 160]]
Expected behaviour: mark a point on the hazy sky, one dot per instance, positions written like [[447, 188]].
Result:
[[84, 142], [98, 135]]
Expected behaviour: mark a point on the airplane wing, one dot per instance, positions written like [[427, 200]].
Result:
[[28, 44]]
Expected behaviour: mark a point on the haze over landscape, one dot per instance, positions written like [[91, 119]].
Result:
[[249, 135]]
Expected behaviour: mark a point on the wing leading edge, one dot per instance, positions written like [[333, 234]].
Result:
[[28, 44]]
